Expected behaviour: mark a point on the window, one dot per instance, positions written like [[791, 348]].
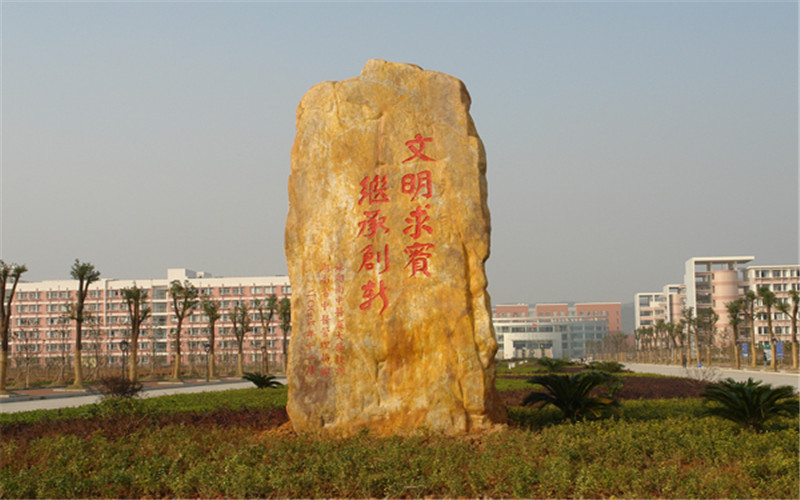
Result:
[[224, 291]]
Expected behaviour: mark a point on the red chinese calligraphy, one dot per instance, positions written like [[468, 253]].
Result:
[[374, 190], [370, 225], [371, 294], [310, 362], [369, 255], [417, 222], [416, 145], [417, 184], [418, 256]]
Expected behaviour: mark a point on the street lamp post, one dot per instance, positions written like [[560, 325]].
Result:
[[207, 348], [123, 345]]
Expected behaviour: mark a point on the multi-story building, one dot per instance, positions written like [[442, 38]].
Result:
[[780, 280], [42, 330], [714, 282], [667, 305], [554, 330]]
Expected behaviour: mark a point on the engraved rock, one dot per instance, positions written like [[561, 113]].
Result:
[[386, 240]]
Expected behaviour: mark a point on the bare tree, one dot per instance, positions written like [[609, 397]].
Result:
[[707, 328], [25, 334], [240, 316], [285, 315], [266, 311], [211, 310]]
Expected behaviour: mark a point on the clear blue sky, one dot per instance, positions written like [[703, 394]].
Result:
[[622, 138]]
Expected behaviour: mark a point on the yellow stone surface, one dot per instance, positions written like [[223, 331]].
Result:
[[386, 240]]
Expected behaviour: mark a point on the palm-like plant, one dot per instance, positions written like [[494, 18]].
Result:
[[261, 381], [184, 300], [749, 311], [85, 274], [791, 312], [750, 403], [768, 299], [571, 394], [735, 320], [9, 278]]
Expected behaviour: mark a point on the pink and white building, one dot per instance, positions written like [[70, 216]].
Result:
[[41, 328]]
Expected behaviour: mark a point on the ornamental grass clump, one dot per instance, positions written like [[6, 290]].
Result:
[[607, 366], [262, 381], [750, 404], [572, 394], [551, 365], [119, 387]]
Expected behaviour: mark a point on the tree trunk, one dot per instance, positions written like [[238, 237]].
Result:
[[240, 362], [176, 369], [212, 367], [3, 370], [285, 357], [265, 360], [133, 374], [753, 351], [78, 383], [772, 341]]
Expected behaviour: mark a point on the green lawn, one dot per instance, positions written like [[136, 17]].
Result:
[[652, 449]]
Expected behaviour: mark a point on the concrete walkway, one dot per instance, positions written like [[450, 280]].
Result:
[[48, 398], [716, 373]]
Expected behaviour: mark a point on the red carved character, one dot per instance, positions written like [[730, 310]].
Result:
[[370, 225], [417, 220], [374, 190], [417, 184], [418, 255], [369, 255], [416, 145], [371, 294]]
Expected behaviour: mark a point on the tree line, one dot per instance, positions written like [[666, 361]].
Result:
[[184, 299], [664, 340]]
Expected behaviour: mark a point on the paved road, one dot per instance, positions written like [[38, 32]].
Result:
[[54, 399], [714, 374]]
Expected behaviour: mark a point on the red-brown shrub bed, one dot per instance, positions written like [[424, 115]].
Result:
[[117, 426], [633, 387]]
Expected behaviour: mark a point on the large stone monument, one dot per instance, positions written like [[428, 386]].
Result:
[[386, 239]]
